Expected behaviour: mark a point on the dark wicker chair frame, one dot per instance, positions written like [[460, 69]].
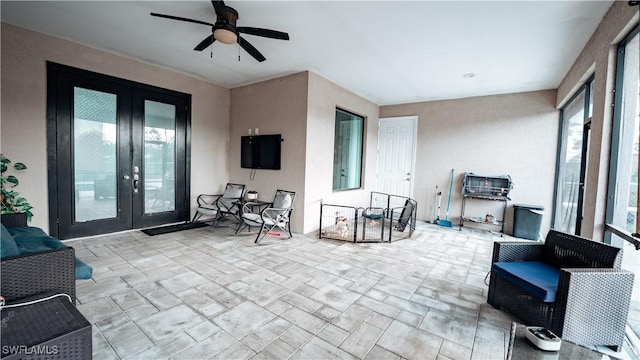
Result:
[[593, 297], [33, 277], [50, 271]]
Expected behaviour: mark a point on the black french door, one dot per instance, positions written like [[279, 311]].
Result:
[[586, 131], [118, 153]]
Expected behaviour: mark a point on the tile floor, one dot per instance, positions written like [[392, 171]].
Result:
[[207, 294]]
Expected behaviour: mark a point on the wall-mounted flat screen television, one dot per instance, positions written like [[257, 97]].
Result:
[[260, 152]]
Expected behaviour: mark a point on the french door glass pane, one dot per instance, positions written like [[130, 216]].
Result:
[[159, 157], [94, 154], [571, 160]]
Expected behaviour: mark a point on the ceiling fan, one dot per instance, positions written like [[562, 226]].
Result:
[[226, 31]]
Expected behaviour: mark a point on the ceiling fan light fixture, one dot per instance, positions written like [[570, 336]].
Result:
[[225, 36], [225, 31]]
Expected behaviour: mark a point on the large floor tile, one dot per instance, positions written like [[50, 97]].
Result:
[[336, 297], [446, 326], [99, 309], [127, 339], [409, 342], [207, 348], [170, 322], [320, 349], [361, 340], [243, 319]]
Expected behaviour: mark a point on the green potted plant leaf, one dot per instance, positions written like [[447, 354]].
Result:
[[12, 202]]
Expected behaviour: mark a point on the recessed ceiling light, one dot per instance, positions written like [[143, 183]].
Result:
[[468, 75]]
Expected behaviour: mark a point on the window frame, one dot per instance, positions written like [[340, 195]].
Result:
[[585, 89], [359, 157], [616, 133]]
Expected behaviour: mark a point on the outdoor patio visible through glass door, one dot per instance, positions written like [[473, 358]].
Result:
[[94, 155], [159, 157]]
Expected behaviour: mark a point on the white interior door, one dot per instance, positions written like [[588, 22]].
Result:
[[396, 155]]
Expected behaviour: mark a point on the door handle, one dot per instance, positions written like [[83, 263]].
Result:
[[136, 177]]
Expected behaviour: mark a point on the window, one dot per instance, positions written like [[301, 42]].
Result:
[[347, 152], [575, 120], [622, 192], [622, 212]]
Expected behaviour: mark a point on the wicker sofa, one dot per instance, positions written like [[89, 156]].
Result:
[[568, 284], [39, 322], [26, 274]]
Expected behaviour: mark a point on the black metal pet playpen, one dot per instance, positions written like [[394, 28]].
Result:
[[388, 218]]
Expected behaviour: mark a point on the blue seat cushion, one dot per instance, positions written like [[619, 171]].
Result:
[[30, 239], [535, 277], [8, 246], [83, 271], [33, 239]]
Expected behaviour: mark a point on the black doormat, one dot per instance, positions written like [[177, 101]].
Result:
[[173, 228]]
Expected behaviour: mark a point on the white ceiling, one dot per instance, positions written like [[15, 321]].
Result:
[[388, 52]]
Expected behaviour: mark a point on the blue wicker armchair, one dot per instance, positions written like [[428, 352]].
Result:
[[42, 272], [37, 317], [568, 284]]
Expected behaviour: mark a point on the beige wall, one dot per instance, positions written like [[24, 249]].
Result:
[[301, 107], [598, 57], [23, 113], [276, 106], [324, 98], [513, 134]]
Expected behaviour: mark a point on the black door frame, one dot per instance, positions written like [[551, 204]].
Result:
[[138, 207], [586, 133], [584, 160], [56, 74]]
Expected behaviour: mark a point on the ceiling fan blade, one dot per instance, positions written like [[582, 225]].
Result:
[[273, 34], [205, 43], [182, 19], [221, 10], [250, 49]]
